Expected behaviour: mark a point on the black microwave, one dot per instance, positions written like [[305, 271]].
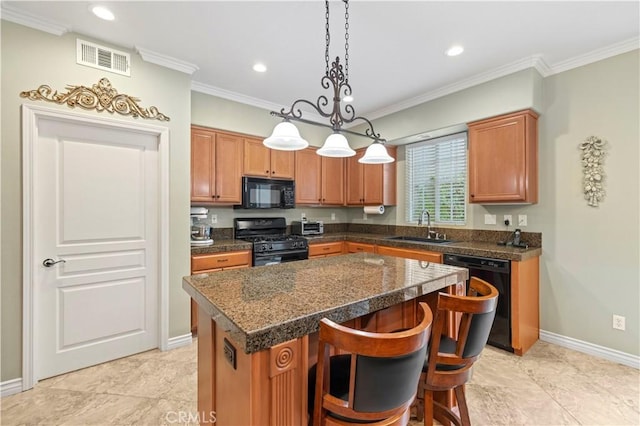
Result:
[[260, 193]]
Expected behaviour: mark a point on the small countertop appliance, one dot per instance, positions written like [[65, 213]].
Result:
[[200, 227]]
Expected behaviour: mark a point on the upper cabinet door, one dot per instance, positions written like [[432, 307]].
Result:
[[308, 169], [271, 163], [333, 181], [355, 179], [229, 149], [202, 166], [257, 158], [503, 159], [282, 164]]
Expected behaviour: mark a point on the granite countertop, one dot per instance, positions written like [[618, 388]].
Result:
[[471, 248], [221, 246], [263, 306]]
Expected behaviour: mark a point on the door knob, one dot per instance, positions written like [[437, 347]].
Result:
[[48, 263]]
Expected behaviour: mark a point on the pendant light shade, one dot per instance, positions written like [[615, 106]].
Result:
[[376, 154], [336, 145], [285, 137]]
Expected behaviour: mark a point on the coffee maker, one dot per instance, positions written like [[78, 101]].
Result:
[[200, 227]]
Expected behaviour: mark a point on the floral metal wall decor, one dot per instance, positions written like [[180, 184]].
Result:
[[100, 96], [593, 152]]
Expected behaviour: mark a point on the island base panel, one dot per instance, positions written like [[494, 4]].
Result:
[[266, 387]]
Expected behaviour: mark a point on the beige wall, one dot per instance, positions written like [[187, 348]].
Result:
[[31, 58], [591, 264]]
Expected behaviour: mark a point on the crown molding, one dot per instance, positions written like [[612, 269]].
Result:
[[19, 17], [207, 89], [166, 61], [597, 55], [528, 62]]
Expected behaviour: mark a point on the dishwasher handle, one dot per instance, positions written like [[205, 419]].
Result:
[[482, 263]]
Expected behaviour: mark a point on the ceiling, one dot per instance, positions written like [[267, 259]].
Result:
[[396, 50]]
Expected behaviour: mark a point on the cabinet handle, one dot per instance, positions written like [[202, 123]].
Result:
[[324, 199], [267, 171], [326, 248], [217, 196], [223, 260], [273, 171], [472, 195]]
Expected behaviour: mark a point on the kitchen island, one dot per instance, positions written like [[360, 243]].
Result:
[[257, 326]]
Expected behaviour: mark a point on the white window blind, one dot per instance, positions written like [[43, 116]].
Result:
[[436, 175]]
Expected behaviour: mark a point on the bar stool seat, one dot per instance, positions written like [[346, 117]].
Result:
[[375, 382], [448, 365]]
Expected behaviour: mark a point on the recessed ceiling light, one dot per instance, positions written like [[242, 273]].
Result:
[[348, 98], [260, 67], [103, 13], [455, 50]]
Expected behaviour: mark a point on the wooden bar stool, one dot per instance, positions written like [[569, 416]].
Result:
[[449, 362], [375, 383]]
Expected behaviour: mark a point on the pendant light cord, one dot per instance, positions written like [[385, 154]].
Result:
[[346, 41], [327, 37]]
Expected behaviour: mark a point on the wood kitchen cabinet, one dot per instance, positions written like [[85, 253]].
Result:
[[216, 167], [319, 180], [503, 159], [326, 249], [371, 184], [352, 247], [262, 161], [215, 262]]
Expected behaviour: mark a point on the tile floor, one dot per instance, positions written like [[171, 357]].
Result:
[[550, 385]]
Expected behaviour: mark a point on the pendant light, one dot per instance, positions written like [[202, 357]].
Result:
[[336, 78], [376, 154], [336, 145], [285, 137]]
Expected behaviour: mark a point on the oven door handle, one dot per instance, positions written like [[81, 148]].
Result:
[[281, 252]]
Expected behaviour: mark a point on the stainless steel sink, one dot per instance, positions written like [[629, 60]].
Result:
[[420, 240]]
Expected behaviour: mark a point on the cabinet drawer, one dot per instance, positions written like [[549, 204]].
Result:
[[360, 247], [325, 248], [208, 262], [430, 256]]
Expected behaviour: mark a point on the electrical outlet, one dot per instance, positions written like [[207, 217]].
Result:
[[489, 219], [333, 216], [214, 218], [303, 216], [508, 219], [364, 216], [522, 220], [618, 322]]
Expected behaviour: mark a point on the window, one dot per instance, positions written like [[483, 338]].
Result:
[[436, 175]]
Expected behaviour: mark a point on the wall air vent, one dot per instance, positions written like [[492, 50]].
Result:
[[103, 58]]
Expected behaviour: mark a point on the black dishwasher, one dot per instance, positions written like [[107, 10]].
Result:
[[496, 272]]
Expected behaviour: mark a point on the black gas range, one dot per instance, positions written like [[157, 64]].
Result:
[[271, 244]]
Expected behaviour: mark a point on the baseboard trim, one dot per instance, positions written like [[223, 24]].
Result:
[[11, 387], [591, 349], [179, 341]]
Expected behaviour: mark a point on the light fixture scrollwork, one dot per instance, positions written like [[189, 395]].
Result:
[[286, 136], [593, 153], [101, 97]]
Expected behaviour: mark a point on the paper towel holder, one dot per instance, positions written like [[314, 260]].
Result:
[[374, 209]]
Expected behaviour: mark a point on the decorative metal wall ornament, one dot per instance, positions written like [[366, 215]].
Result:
[[593, 153], [100, 96]]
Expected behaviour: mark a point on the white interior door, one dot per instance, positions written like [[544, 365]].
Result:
[[95, 210]]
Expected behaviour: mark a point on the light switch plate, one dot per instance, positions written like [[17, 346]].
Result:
[[333, 216], [303, 216], [364, 216], [522, 220], [489, 219]]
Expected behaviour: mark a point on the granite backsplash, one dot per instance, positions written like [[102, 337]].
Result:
[[533, 239]]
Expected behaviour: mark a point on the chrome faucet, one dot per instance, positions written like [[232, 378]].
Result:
[[421, 221]]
